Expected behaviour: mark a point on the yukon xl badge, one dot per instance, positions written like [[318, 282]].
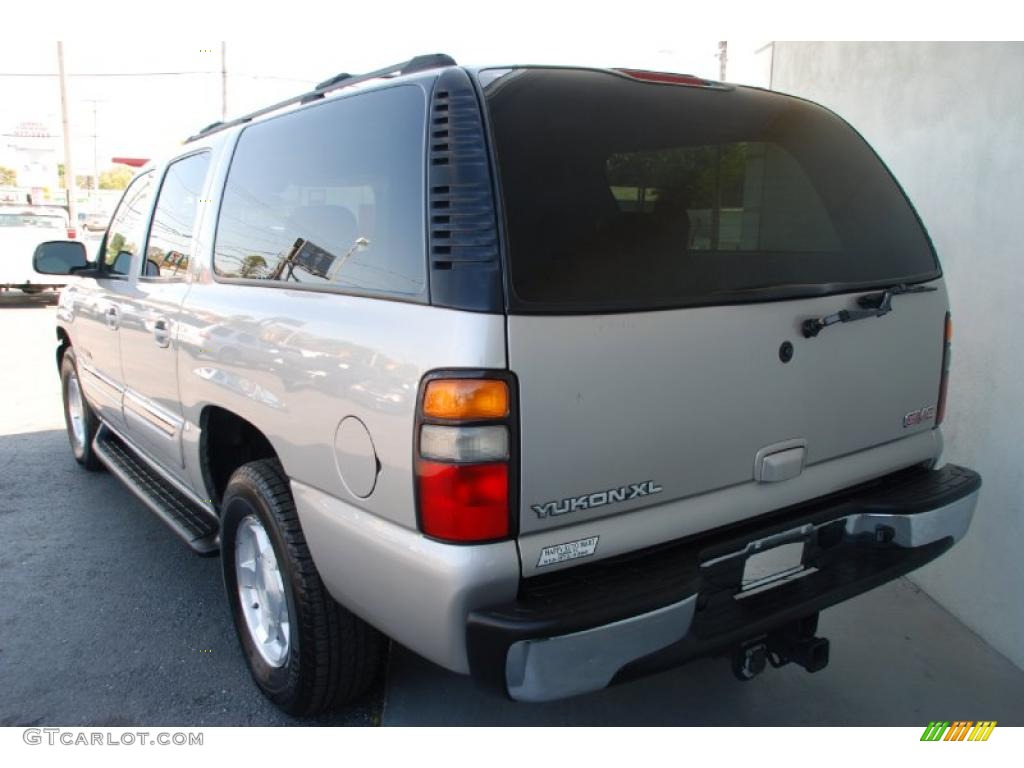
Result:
[[597, 499]]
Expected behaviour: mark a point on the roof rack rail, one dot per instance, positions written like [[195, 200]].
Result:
[[342, 80]]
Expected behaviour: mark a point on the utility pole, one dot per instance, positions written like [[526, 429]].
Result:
[[723, 57], [95, 152], [69, 169], [223, 81]]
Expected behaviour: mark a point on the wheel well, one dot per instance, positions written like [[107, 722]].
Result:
[[63, 342], [227, 442]]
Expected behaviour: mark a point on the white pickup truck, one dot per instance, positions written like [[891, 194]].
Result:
[[22, 228]]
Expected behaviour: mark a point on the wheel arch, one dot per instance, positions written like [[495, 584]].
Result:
[[63, 344], [226, 442]]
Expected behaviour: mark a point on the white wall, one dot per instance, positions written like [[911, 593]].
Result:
[[948, 119], [749, 63]]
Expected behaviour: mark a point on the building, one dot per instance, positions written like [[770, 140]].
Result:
[[31, 149], [948, 119]]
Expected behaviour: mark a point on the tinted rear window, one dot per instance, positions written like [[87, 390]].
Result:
[[621, 194]]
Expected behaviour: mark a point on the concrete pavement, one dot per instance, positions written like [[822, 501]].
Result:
[[897, 658]]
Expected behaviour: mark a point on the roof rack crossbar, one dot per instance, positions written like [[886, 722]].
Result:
[[343, 80]]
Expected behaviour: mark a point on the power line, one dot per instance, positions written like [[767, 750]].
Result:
[[223, 81], [250, 75], [104, 74]]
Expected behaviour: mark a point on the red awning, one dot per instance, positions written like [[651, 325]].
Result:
[[134, 162]]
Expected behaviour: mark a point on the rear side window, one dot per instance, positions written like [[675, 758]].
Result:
[[174, 218], [331, 196], [627, 195]]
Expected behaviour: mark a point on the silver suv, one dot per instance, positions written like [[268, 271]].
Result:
[[556, 376]]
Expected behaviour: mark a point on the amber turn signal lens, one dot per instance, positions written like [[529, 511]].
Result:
[[466, 399]]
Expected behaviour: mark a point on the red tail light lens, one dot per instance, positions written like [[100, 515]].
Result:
[[466, 456], [72, 232], [947, 343], [463, 502]]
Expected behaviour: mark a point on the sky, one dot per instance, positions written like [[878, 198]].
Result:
[[276, 50], [142, 115]]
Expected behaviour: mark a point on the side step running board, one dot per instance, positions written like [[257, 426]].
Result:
[[194, 525]]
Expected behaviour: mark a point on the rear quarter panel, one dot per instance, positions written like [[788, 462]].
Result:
[[295, 363]]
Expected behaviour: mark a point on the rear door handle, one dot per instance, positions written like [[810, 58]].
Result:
[[162, 332], [113, 318]]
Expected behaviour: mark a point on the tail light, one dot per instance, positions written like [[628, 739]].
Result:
[[465, 451], [72, 233], [940, 409]]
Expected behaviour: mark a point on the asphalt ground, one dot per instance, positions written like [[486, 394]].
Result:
[[107, 619]]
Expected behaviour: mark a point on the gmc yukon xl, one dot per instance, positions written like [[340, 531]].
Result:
[[557, 376]]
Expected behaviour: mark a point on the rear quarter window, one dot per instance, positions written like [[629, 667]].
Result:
[[627, 195], [331, 196]]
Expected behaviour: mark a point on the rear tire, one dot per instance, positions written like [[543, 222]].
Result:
[[305, 652], [79, 418]]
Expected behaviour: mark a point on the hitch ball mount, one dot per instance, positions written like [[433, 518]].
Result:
[[795, 642]]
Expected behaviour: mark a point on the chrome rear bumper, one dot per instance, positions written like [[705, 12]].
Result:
[[864, 549], [557, 667]]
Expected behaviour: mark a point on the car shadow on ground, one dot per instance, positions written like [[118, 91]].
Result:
[[17, 299]]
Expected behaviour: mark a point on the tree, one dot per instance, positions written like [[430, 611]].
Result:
[[253, 266], [116, 244], [82, 182], [115, 178], [8, 177]]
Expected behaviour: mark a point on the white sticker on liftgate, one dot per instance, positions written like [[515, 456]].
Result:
[[559, 553]]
